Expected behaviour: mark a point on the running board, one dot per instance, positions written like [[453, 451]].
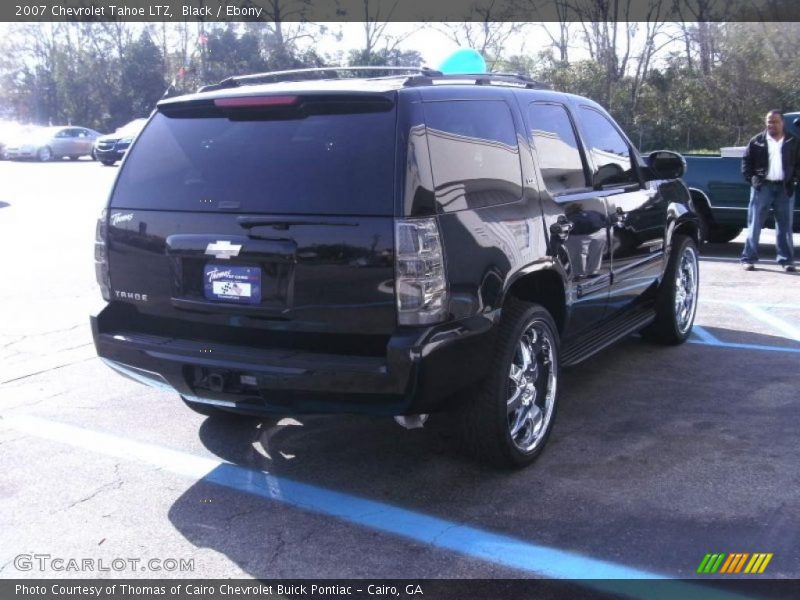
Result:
[[609, 332]]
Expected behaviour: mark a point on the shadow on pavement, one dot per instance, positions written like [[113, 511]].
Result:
[[733, 251], [659, 455]]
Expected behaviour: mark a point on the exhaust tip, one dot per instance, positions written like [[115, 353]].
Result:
[[411, 421]]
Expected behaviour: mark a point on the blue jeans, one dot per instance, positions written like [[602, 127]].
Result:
[[771, 195]]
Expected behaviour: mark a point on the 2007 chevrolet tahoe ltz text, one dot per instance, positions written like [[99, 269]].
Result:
[[392, 245]]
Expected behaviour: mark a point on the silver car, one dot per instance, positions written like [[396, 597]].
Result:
[[50, 143]]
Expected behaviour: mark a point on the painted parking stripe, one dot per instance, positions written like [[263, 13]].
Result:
[[737, 346], [786, 329], [703, 337], [464, 539]]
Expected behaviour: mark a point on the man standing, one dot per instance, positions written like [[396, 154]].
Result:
[[771, 164]]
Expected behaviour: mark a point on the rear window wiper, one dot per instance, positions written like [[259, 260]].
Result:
[[284, 224]]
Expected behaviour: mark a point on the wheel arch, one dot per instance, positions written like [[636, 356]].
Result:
[[543, 285], [701, 203]]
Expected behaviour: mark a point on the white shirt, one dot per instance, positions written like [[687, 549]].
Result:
[[775, 171]]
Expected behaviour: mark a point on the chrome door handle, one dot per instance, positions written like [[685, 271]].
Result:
[[619, 217]]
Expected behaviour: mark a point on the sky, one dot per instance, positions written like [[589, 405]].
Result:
[[426, 39]]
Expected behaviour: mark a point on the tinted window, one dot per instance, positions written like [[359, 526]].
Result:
[[474, 154], [322, 164], [556, 147], [611, 153]]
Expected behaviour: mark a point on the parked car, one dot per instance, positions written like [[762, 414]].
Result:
[[10, 133], [110, 148], [50, 143], [720, 194], [506, 231], [7, 131]]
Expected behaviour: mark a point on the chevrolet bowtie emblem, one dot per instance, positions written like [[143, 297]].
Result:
[[223, 249]]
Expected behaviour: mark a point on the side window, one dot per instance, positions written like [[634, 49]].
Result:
[[556, 147], [64, 133], [474, 153], [611, 153]]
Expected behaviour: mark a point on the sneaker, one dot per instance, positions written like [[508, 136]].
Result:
[[789, 268], [747, 266]]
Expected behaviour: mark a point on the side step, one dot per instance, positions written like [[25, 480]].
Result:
[[605, 334]]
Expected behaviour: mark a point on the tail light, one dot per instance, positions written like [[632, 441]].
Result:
[[101, 258], [420, 282]]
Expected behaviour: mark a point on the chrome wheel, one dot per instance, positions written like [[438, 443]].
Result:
[[532, 386], [44, 154], [686, 281]]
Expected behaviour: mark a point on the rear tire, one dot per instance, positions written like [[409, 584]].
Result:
[[676, 302], [108, 163], [508, 419]]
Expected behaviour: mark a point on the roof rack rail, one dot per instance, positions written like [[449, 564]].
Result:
[[480, 79], [312, 74]]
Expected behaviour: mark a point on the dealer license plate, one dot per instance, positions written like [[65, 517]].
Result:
[[237, 284]]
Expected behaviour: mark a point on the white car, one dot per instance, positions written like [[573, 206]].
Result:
[[49, 143]]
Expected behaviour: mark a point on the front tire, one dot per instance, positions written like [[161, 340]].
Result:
[[44, 154], [676, 303], [108, 163], [508, 420]]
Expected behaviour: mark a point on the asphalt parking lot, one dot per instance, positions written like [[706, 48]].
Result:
[[659, 455]]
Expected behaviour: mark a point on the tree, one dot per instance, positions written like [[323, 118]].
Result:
[[142, 80], [486, 30]]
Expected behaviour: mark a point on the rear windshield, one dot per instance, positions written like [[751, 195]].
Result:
[[322, 164]]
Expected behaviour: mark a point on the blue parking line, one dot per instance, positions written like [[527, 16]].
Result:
[[467, 540], [703, 337], [439, 533], [746, 346]]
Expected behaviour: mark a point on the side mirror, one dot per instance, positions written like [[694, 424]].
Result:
[[665, 164]]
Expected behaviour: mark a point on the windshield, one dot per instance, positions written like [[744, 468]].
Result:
[[322, 164]]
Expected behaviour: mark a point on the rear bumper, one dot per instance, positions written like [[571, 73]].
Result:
[[421, 370]]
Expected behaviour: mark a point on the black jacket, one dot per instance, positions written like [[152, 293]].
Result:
[[755, 162]]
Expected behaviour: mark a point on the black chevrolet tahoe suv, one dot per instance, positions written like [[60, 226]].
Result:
[[393, 245]]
